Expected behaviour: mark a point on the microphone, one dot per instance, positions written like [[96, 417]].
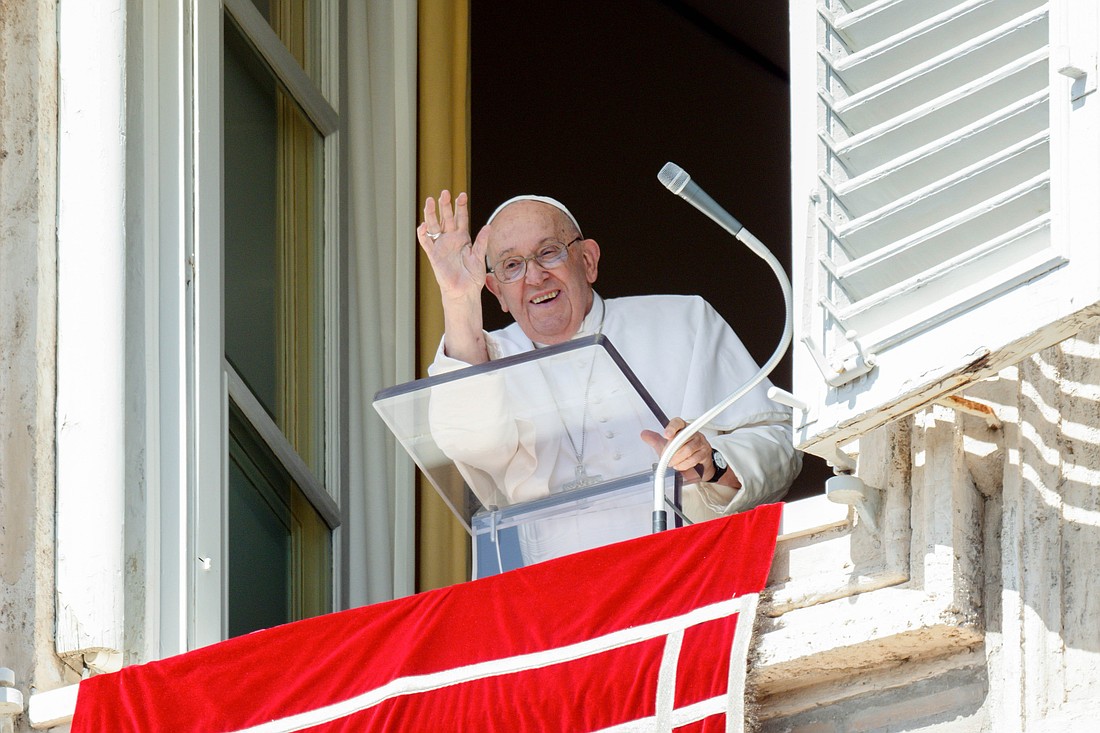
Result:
[[677, 180]]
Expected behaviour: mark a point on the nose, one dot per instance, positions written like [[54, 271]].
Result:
[[535, 274]]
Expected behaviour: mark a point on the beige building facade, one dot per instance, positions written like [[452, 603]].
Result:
[[972, 606], [28, 296]]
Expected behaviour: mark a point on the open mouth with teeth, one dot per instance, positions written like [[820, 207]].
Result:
[[545, 297]]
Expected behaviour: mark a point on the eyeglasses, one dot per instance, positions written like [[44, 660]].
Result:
[[549, 255]]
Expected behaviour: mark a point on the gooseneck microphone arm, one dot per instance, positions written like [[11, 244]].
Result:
[[679, 182]]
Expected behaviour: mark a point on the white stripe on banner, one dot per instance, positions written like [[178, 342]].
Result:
[[681, 716], [666, 682], [745, 604], [739, 662]]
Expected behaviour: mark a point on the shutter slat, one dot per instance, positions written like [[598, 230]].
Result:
[[945, 197], [941, 158], [934, 148], [938, 117], [967, 286], [940, 34], [878, 20], [942, 282], [878, 102], [864, 276]]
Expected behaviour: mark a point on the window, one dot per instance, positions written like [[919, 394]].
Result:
[[214, 440], [266, 383], [930, 144], [279, 524]]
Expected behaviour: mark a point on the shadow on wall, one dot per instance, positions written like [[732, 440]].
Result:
[[1051, 502], [1040, 477]]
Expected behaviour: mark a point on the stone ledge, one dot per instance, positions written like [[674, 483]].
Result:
[[863, 634], [825, 588]]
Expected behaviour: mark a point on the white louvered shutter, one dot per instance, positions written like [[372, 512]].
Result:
[[945, 193]]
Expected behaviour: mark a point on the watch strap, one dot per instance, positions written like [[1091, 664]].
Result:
[[720, 466]]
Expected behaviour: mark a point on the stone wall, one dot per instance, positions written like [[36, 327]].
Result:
[[28, 145], [974, 605]]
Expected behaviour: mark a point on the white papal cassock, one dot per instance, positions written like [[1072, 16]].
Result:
[[688, 359]]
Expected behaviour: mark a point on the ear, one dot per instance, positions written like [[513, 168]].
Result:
[[494, 287], [591, 254]]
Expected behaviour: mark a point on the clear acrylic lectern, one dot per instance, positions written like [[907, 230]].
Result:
[[539, 455]]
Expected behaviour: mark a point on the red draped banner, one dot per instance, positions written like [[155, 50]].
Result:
[[646, 635]]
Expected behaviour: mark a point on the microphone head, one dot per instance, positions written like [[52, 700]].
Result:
[[673, 177]]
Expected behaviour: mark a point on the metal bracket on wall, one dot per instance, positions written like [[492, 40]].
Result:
[[1080, 67], [784, 397], [847, 488], [846, 370], [11, 700]]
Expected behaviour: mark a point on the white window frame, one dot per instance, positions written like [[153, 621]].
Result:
[[91, 458], [189, 506]]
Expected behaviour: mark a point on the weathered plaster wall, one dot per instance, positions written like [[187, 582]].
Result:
[[1002, 529], [28, 142]]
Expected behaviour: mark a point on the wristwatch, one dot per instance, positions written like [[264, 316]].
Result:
[[720, 466]]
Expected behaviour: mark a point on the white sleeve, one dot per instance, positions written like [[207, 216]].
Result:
[[472, 421], [753, 434], [764, 461], [443, 363]]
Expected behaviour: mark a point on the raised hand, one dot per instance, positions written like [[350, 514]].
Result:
[[457, 261], [459, 266]]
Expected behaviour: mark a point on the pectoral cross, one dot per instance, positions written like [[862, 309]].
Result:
[[582, 480]]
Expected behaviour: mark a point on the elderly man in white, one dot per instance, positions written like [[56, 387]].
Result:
[[533, 257]]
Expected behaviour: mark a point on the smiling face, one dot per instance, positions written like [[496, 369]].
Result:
[[549, 305]]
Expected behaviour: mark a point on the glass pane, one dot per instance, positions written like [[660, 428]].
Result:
[[274, 315], [297, 24], [264, 6], [461, 429], [280, 551], [539, 455]]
